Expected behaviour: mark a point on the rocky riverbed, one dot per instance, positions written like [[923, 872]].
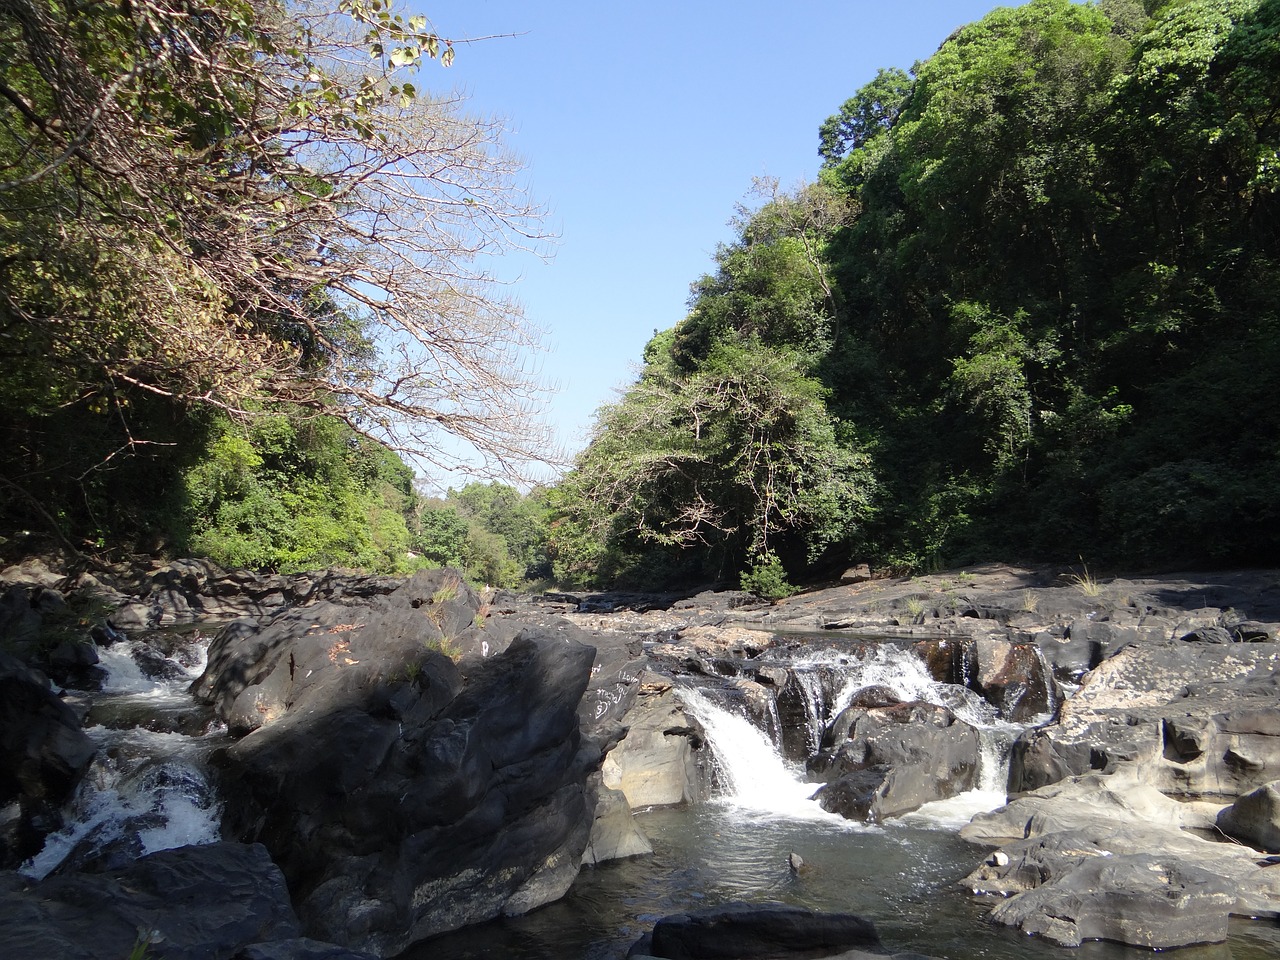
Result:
[[408, 757]]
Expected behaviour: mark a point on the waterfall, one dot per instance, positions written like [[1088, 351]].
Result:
[[147, 789], [753, 776], [815, 706]]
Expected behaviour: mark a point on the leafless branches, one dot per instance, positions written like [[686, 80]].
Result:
[[233, 204]]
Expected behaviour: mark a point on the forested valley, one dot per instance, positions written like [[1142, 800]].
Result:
[[1028, 309]]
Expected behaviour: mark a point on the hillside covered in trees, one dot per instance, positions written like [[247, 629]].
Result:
[[1030, 309]]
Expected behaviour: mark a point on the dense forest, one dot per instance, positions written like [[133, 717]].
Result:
[[1028, 309], [241, 275]]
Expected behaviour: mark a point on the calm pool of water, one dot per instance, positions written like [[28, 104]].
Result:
[[904, 878]]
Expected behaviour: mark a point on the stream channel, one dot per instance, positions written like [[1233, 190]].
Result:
[[149, 789]]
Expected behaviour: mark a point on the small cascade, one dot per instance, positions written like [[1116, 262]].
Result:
[[148, 788], [815, 707], [896, 668], [753, 776], [824, 683]]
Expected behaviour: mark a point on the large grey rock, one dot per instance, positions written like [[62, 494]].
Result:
[[614, 833], [661, 760], [896, 759], [1194, 718], [192, 903], [1255, 818], [1084, 802], [44, 754], [1144, 900], [1048, 836], [334, 654], [404, 797]]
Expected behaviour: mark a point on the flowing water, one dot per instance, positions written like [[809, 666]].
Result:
[[904, 875], [148, 790]]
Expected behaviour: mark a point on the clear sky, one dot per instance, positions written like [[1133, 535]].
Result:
[[642, 125]]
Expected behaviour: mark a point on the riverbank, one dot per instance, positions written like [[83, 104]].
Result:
[[1131, 702]]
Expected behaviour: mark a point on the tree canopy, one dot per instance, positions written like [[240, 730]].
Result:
[[1038, 320], [250, 207]]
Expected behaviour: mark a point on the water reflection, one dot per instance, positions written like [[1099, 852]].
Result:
[[904, 878]]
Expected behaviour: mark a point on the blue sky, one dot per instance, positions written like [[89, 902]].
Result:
[[642, 125]]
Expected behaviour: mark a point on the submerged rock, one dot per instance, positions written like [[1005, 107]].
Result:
[[192, 903], [749, 930]]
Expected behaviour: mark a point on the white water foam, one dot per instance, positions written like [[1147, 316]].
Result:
[[753, 777], [145, 791], [143, 784]]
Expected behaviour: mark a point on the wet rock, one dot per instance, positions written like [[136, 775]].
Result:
[[331, 653], [1012, 677], [1255, 818], [300, 948], [896, 759], [1144, 900], [192, 903], [1045, 837], [44, 754], [662, 760], [614, 834], [747, 930]]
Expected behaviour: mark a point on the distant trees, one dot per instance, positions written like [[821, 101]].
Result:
[[723, 452], [495, 534]]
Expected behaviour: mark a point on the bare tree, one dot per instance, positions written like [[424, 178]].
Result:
[[241, 202]]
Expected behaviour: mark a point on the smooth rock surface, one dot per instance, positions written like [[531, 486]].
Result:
[[1255, 818], [747, 930], [191, 903], [1142, 900]]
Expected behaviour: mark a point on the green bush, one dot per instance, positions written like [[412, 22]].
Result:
[[767, 578]]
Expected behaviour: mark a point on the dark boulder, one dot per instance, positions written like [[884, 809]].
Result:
[[748, 930], [192, 903], [1012, 677], [404, 795], [44, 754], [919, 752]]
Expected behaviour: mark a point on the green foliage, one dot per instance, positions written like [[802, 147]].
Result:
[[1029, 311], [691, 473], [489, 530], [767, 578], [873, 110], [295, 493], [185, 199]]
